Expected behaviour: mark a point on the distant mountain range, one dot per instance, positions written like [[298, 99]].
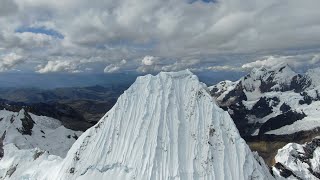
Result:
[[271, 101], [163, 127], [78, 107], [26, 131], [164, 122], [58, 80], [272, 107]]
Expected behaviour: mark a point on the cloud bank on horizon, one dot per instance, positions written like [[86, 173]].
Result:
[[149, 36]]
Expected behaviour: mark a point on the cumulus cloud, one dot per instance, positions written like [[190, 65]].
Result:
[[9, 61], [267, 62], [224, 68], [299, 62], [162, 64], [148, 60], [115, 67], [58, 66], [32, 40], [26, 41], [171, 30]]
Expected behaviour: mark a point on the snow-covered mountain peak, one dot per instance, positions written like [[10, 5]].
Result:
[[283, 69], [181, 75], [296, 161], [163, 127], [268, 79], [314, 76], [267, 97], [26, 130]]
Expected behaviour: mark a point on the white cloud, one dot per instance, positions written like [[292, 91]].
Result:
[[167, 65], [224, 68], [31, 40], [171, 30], [300, 61], [25, 41], [315, 59], [8, 61], [58, 66], [112, 68], [149, 64], [148, 60], [266, 62]]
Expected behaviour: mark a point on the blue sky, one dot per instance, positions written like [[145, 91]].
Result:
[[138, 36], [40, 30]]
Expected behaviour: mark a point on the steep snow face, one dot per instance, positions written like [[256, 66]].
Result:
[[295, 161], [163, 127], [26, 131]]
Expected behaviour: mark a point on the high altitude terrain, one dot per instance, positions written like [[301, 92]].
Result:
[[272, 107], [163, 127]]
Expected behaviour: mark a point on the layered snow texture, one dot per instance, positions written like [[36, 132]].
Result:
[[163, 127], [267, 98], [296, 161], [26, 130]]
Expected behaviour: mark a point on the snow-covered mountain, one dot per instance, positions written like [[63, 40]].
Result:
[[26, 131], [274, 101], [163, 127], [296, 161]]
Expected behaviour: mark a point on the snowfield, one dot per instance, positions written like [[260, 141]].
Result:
[[163, 127]]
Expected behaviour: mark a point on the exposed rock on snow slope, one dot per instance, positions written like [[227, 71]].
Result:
[[295, 161], [163, 127], [26, 130], [272, 107], [275, 101], [69, 117]]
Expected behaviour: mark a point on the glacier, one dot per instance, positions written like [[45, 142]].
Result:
[[163, 127]]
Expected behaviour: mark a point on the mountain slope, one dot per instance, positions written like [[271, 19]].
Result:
[[271, 101], [163, 127], [75, 106], [26, 130], [272, 107], [68, 116], [296, 161]]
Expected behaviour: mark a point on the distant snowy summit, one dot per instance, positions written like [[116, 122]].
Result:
[[272, 101], [296, 161], [26, 131], [163, 127]]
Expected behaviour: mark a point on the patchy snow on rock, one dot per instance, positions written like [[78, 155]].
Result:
[[310, 122], [314, 76], [26, 130], [222, 88], [276, 99], [295, 161]]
